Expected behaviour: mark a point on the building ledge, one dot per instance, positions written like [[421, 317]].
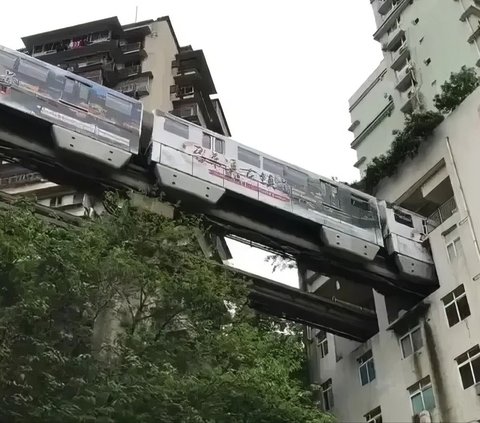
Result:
[[367, 90], [405, 80], [474, 35], [471, 10], [414, 313], [391, 19], [375, 122], [394, 38]]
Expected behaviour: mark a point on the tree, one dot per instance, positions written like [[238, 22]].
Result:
[[456, 89], [124, 320]]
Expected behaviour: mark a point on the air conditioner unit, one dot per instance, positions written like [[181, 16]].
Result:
[[424, 417]]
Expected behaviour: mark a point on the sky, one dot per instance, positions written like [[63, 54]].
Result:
[[283, 70]]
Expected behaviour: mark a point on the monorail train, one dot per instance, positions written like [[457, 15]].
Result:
[[97, 122]]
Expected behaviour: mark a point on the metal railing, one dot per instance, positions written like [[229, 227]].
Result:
[[440, 215]]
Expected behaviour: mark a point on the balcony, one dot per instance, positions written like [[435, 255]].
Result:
[[445, 211], [391, 20], [471, 10], [95, 76], [394, 36], [404, 77], [408, 101], [386, 6], [399, 57], [137, 88]]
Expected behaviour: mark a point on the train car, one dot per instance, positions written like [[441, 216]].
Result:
[[210, 164], [204, 164], [107, 123]]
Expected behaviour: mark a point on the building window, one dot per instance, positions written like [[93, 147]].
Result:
[[327, 395], [421, 396], [367, 368], [207, 141], [176, 128], [469, 367], [374, 416], [219, 146], [411, 341], [322, 343], [456, 306], [454, 249]]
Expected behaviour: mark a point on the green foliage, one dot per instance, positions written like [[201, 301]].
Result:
[[456, 89], [178, 354], [418, 126]]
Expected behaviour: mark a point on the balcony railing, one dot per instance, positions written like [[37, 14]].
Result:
[[440, 215]]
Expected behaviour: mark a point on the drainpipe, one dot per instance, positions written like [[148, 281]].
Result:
[[464, 202]]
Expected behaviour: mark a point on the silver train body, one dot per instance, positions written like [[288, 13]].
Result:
[[96, 122]]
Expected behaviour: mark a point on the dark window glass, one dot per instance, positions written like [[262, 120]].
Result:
[[219, 146], [364, 375], [206, 141], [403, 218], [33, 70], [273, 167], [176, 128], [360, 203], [417, 339], [249, 157], [428, 398], [463, 307], [466, 375], [119, 104], [406, 346], [452, 314], [295, 177]]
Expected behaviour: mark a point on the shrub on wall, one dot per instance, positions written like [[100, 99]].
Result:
[[418, 126], [456, 89]]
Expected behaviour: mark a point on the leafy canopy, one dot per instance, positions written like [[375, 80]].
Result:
[[124, 320], [456, 89]]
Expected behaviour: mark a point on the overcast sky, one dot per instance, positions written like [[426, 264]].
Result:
[[284, 70]]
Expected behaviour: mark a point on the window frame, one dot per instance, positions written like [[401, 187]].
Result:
[[454, 301], [247, 154], [408, 334], [468, 361], [374, 416], [322, 343], [327, 390], [363, 361], [419, 388], [454, 244]]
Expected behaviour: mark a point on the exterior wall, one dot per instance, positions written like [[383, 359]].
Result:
[[432, 33], [441, 343], [161, 49]]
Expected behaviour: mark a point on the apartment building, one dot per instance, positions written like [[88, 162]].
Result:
[[423, 365], [423, 41], [143, 60]]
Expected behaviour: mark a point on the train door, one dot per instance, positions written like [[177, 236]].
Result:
[[76, 94]]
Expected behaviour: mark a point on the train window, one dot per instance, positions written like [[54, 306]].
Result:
[[249, 157], [295, 177], [403, 218], [359, 203], [119, 104], [273, 167], [176, 128], [33, 70], [206, 141], [7, 59], [219, 146]]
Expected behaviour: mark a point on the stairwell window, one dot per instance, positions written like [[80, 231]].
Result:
[[421, 396], [412, 341], [322, 343], [327, 395], [469, 367], [367, 368], [456, 306]]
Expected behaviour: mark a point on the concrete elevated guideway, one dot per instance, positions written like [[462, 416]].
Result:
[[29, 141]]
